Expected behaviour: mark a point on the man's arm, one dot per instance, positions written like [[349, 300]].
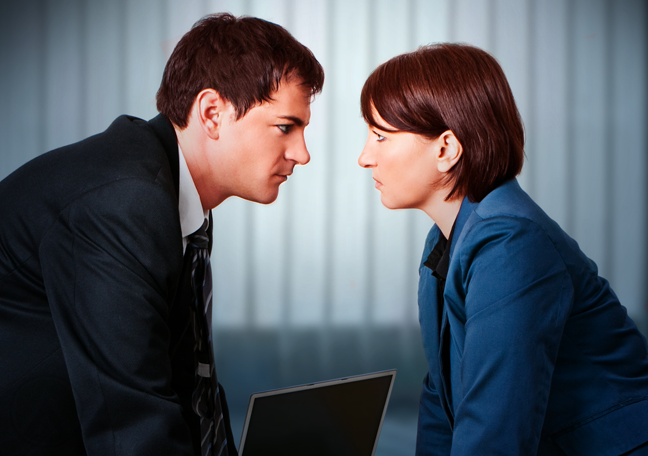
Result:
[[110, 266]]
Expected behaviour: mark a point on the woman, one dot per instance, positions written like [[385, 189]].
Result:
[[529, 350]]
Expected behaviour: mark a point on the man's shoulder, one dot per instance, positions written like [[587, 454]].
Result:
[[128, 140], [128, 150]]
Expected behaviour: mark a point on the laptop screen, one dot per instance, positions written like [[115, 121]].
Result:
[[340, 417]]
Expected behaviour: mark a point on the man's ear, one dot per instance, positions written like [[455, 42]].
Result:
[[210, 110], [449, 151]]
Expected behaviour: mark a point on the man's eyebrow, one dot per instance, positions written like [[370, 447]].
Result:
[[296, 120]]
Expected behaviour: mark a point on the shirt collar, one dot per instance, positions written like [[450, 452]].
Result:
[[439, 258], [192, 214]]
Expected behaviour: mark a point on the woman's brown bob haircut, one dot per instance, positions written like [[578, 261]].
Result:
[[459, 88], [244, 59]]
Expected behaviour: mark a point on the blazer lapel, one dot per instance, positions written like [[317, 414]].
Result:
[[434, 319], [179, 311], [437, 343], [444, 368], [166, 134]]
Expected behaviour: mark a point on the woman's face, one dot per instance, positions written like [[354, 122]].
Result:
[[404, 166]]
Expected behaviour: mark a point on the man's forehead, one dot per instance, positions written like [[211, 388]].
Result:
[[290, 101]]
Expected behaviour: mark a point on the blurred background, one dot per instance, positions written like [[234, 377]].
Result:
[[322, 283]]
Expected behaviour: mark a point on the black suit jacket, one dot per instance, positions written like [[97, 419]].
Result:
[[97, 349]]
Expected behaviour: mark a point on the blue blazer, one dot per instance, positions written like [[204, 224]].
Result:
[[532, 352]]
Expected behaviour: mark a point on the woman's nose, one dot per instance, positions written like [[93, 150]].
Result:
[[365, 159]]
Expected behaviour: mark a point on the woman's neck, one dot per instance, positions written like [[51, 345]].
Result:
[[444, 213]]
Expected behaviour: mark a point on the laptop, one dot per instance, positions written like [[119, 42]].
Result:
[[335, 417]]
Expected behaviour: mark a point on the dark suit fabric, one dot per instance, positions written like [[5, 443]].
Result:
[[530, 351], [97, 352]]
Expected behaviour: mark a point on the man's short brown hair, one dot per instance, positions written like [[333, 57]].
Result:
[[244, 59], [453, 87]]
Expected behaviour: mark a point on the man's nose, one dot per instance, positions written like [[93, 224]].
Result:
[[298, 152]]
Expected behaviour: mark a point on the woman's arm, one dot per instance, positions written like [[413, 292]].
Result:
[[518, 296], [434, 436]]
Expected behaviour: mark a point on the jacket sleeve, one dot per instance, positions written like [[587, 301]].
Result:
[[518, 296], [110, 265], [434, 436]]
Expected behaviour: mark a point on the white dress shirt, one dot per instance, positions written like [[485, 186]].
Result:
[[192, 214]]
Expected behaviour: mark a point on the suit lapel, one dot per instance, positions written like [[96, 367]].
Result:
[[438, 342], [179, 309], [434, 318], [466, 210], [166, 134], [210, 231], [444, 368]]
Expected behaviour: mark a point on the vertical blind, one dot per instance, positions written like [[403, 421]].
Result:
[[327, 254]]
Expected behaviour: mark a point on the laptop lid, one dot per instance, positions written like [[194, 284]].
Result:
[[336, 417]]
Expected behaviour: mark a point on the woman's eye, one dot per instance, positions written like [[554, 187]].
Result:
[[285, 129], [379, 138]]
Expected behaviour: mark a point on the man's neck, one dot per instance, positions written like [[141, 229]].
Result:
[[194, 146]]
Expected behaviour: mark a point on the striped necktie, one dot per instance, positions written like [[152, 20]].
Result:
[[205, 400]]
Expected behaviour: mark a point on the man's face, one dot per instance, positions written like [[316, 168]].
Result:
[[265, 145]]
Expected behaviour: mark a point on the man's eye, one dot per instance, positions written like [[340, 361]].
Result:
[[284, 128]]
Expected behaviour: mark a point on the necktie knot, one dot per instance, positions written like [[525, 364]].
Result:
[[199, 238]]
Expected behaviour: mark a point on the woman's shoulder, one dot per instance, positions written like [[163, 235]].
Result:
[[508, 209], [510, 200], [509, 218]]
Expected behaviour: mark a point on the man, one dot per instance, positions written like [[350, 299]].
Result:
[[98, 313]]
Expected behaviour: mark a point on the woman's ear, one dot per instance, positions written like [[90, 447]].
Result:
[[210, 108], [449, 151]]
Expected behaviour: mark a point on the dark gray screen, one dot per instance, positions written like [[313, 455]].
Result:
[[335, 420]]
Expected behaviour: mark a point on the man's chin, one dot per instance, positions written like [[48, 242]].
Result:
[[267, 198]]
